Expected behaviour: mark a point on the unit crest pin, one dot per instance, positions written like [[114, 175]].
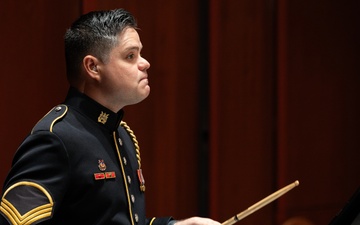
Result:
[[103, 117], [102, 165]]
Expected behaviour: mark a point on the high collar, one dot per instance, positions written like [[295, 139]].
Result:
[[93, 110]]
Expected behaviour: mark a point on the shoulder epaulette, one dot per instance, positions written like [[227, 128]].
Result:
[[48, 121]]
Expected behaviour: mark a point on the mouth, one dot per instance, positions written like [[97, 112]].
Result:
[[144, 78]]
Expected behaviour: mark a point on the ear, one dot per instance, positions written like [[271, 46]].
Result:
[[90, 65]]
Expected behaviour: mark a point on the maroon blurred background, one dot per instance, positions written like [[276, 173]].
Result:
[[246, 97]]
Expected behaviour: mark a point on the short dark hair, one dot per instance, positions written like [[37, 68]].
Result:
[[94, 33]]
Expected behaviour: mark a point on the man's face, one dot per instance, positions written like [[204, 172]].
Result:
[[124, 79]]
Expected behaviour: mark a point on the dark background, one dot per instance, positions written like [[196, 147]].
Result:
[[247, 96]]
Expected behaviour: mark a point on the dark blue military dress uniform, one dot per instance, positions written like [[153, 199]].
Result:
[[79, 165]]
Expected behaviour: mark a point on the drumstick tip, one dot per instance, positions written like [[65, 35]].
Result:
[[296, 183]]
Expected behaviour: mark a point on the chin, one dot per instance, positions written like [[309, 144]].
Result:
[[142, 98]]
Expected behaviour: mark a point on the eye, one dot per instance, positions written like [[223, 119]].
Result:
[[130, 56]]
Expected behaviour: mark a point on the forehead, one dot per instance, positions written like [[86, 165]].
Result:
[[129, 38]]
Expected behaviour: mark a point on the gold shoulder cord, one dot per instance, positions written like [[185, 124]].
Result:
[[137, 148]]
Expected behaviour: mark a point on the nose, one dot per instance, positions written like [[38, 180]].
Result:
[[144, 64]]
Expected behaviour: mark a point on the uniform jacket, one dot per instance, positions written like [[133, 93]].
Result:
[[79, 165]]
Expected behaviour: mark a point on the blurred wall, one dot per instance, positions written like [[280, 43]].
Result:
[[246, 97]]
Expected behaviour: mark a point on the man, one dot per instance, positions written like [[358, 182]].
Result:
[[81, 163]]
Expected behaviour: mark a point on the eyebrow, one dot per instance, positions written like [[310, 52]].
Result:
[[133, 48]]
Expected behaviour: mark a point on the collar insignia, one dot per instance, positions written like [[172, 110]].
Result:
[[103, 117]]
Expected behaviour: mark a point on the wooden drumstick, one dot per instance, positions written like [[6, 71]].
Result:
[[260, 204]]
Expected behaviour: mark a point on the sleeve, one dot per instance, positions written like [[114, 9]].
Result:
[[160, 221], [36, 181], [3, 221]]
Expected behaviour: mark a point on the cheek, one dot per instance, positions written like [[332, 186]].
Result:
[[114, 74], [121, 75]]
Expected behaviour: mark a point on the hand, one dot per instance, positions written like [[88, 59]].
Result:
[[197, 221]]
